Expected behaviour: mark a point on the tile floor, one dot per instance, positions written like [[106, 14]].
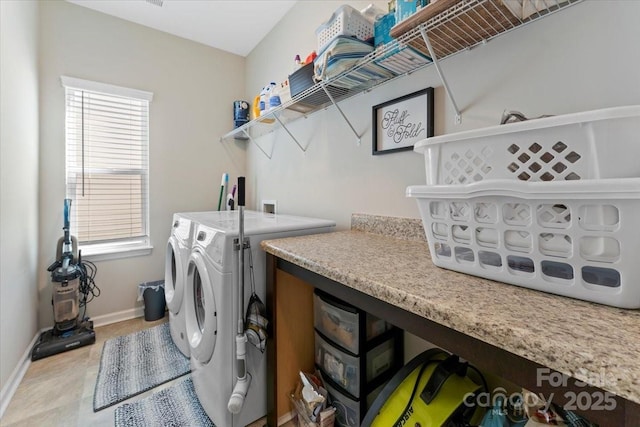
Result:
[[58, 390]]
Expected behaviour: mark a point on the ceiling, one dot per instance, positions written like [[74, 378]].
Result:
[[235, 26]]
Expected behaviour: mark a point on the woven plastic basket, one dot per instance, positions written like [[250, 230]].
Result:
[[575, 238], [345, 21], [550, 204], [589, 145]]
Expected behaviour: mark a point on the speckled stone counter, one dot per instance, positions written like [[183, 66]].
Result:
[[388, 258]]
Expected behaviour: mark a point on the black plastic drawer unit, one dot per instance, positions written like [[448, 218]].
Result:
[[356, 353], [340, 322]]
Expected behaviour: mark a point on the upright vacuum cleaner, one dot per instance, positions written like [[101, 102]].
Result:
[[70, 277]]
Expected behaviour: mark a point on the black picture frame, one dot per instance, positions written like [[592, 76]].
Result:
[[401, 122]]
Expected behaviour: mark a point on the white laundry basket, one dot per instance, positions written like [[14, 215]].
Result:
[[570, 226], [575, 238], [590, 145]]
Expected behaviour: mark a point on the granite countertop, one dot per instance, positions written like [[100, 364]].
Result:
[[388, 258]]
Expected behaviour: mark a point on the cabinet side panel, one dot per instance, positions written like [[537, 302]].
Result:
[[294, 335]]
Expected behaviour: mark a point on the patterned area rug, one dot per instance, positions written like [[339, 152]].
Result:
[[134, 363], [175, 406]]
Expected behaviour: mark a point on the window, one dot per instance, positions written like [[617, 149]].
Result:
[[107, 166]]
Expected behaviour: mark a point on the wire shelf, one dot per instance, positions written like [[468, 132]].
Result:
[[451, 26]]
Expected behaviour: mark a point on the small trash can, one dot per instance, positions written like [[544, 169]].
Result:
[[154, 302]]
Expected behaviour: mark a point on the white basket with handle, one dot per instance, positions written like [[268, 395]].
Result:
[[590, 145], [551, 204], [575, 238], [345, 21]]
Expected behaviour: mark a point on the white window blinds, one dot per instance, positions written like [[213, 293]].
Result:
[[107, 163]]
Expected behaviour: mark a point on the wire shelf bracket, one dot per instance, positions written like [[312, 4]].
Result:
[[434, 59], [258, 145], [304, 149], [358, 137]]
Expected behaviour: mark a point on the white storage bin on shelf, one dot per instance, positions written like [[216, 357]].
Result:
[[345, 21], [590, 145], [575, 238]]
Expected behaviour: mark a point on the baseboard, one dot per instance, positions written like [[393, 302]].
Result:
[[118, 316], [12, 384], [286, 418], [16, 376]]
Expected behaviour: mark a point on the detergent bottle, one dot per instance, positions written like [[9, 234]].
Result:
[[255, 107], [274, 96], [264, 100]]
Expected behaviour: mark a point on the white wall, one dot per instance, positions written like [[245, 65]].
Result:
[[582, 58], [194, 87], [18, 182]]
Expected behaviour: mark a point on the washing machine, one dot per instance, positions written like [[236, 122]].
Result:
[[175, 271], [175, 274], [212, 313]]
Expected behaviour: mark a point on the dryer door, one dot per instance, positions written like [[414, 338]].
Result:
[[173, 276], [200, 308]]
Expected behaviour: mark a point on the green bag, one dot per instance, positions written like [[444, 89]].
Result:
[[432, 390]]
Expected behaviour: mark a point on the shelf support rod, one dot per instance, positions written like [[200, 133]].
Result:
[[358, 138], [423, 32], [257, 145], [304, 150]]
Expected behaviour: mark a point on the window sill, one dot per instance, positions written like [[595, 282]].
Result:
[[107, 253]]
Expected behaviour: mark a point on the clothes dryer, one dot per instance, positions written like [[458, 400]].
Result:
[[211, 311], [175, 271]]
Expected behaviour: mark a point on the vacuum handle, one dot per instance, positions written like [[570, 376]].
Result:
[[67, 213], [240, 191]]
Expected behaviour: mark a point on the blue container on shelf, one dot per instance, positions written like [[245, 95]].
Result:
[[240, 113], [405, 8], [382, 28]]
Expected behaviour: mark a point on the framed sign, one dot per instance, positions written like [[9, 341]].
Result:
[[401, 122]]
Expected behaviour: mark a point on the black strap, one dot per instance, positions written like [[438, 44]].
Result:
[[426, 357], [451, 365]]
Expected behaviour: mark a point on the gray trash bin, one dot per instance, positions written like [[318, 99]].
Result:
[[154, 302]]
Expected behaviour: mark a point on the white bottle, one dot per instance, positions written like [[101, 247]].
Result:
[[274, 96], [267, 95], [264, 100]]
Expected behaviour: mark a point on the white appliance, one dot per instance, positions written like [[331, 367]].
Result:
[[175, 272], [212, 310]]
